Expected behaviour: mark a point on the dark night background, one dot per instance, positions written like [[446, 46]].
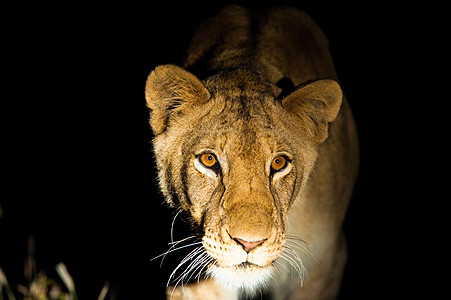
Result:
[[80, 171]]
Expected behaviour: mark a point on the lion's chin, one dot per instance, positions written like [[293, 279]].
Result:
[[245, 277]]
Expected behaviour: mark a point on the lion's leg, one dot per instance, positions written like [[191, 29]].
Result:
[[204, 290], [324, 279]]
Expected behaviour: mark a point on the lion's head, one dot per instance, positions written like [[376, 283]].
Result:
[[234, 155]]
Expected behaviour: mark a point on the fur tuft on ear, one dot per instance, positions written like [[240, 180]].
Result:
[[317, 103], [169, 90]]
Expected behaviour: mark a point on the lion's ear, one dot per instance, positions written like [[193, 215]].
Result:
[[169, 91], [317, 103]]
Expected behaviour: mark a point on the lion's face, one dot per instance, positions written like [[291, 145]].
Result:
[[235, 159], [240, 181]]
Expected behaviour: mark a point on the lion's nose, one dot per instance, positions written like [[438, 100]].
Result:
[[248, 246]]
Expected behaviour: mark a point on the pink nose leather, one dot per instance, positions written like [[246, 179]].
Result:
[[248, 246]]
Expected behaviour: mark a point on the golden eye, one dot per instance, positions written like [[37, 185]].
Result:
[[208, 160], [278, 163]]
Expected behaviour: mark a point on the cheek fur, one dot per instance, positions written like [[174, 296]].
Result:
[[283, 189], [200, 190]]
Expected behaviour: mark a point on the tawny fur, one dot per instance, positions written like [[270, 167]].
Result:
[[228, 104]]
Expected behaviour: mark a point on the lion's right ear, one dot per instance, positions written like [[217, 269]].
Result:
[[170, 90], [317, 103]]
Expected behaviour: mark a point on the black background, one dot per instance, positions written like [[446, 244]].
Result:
[[80, 173]]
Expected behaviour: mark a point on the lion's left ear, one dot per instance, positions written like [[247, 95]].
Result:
[[317, 103], [170, 90]]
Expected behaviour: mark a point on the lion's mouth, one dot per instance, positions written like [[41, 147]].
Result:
[[246, 266], [246, 275]]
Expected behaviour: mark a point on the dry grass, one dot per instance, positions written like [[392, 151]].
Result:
[[39, 286]]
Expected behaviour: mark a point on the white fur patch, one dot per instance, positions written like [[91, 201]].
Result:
[[206, 171], [282, 173], [246, 278]]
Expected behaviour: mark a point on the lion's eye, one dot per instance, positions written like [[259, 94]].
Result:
[[208, 160], [208, 164], [278, 163]]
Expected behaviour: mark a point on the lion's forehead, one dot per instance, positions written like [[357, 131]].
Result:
[[247, 117], [242, 136]]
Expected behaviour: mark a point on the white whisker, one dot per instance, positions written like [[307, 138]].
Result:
[[172, 249], [292, 255], [300, 244], [187, 258], [172, 225], [208, 261], [182, 240], [195, 262], [297, 259], [294, 263], [279, 264], [201, 259]]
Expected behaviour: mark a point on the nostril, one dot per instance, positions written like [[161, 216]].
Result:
[[248, 246]]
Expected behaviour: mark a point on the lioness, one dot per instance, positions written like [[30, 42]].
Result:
[[259, 149]]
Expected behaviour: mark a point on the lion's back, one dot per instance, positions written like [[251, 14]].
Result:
[[285, 40]]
